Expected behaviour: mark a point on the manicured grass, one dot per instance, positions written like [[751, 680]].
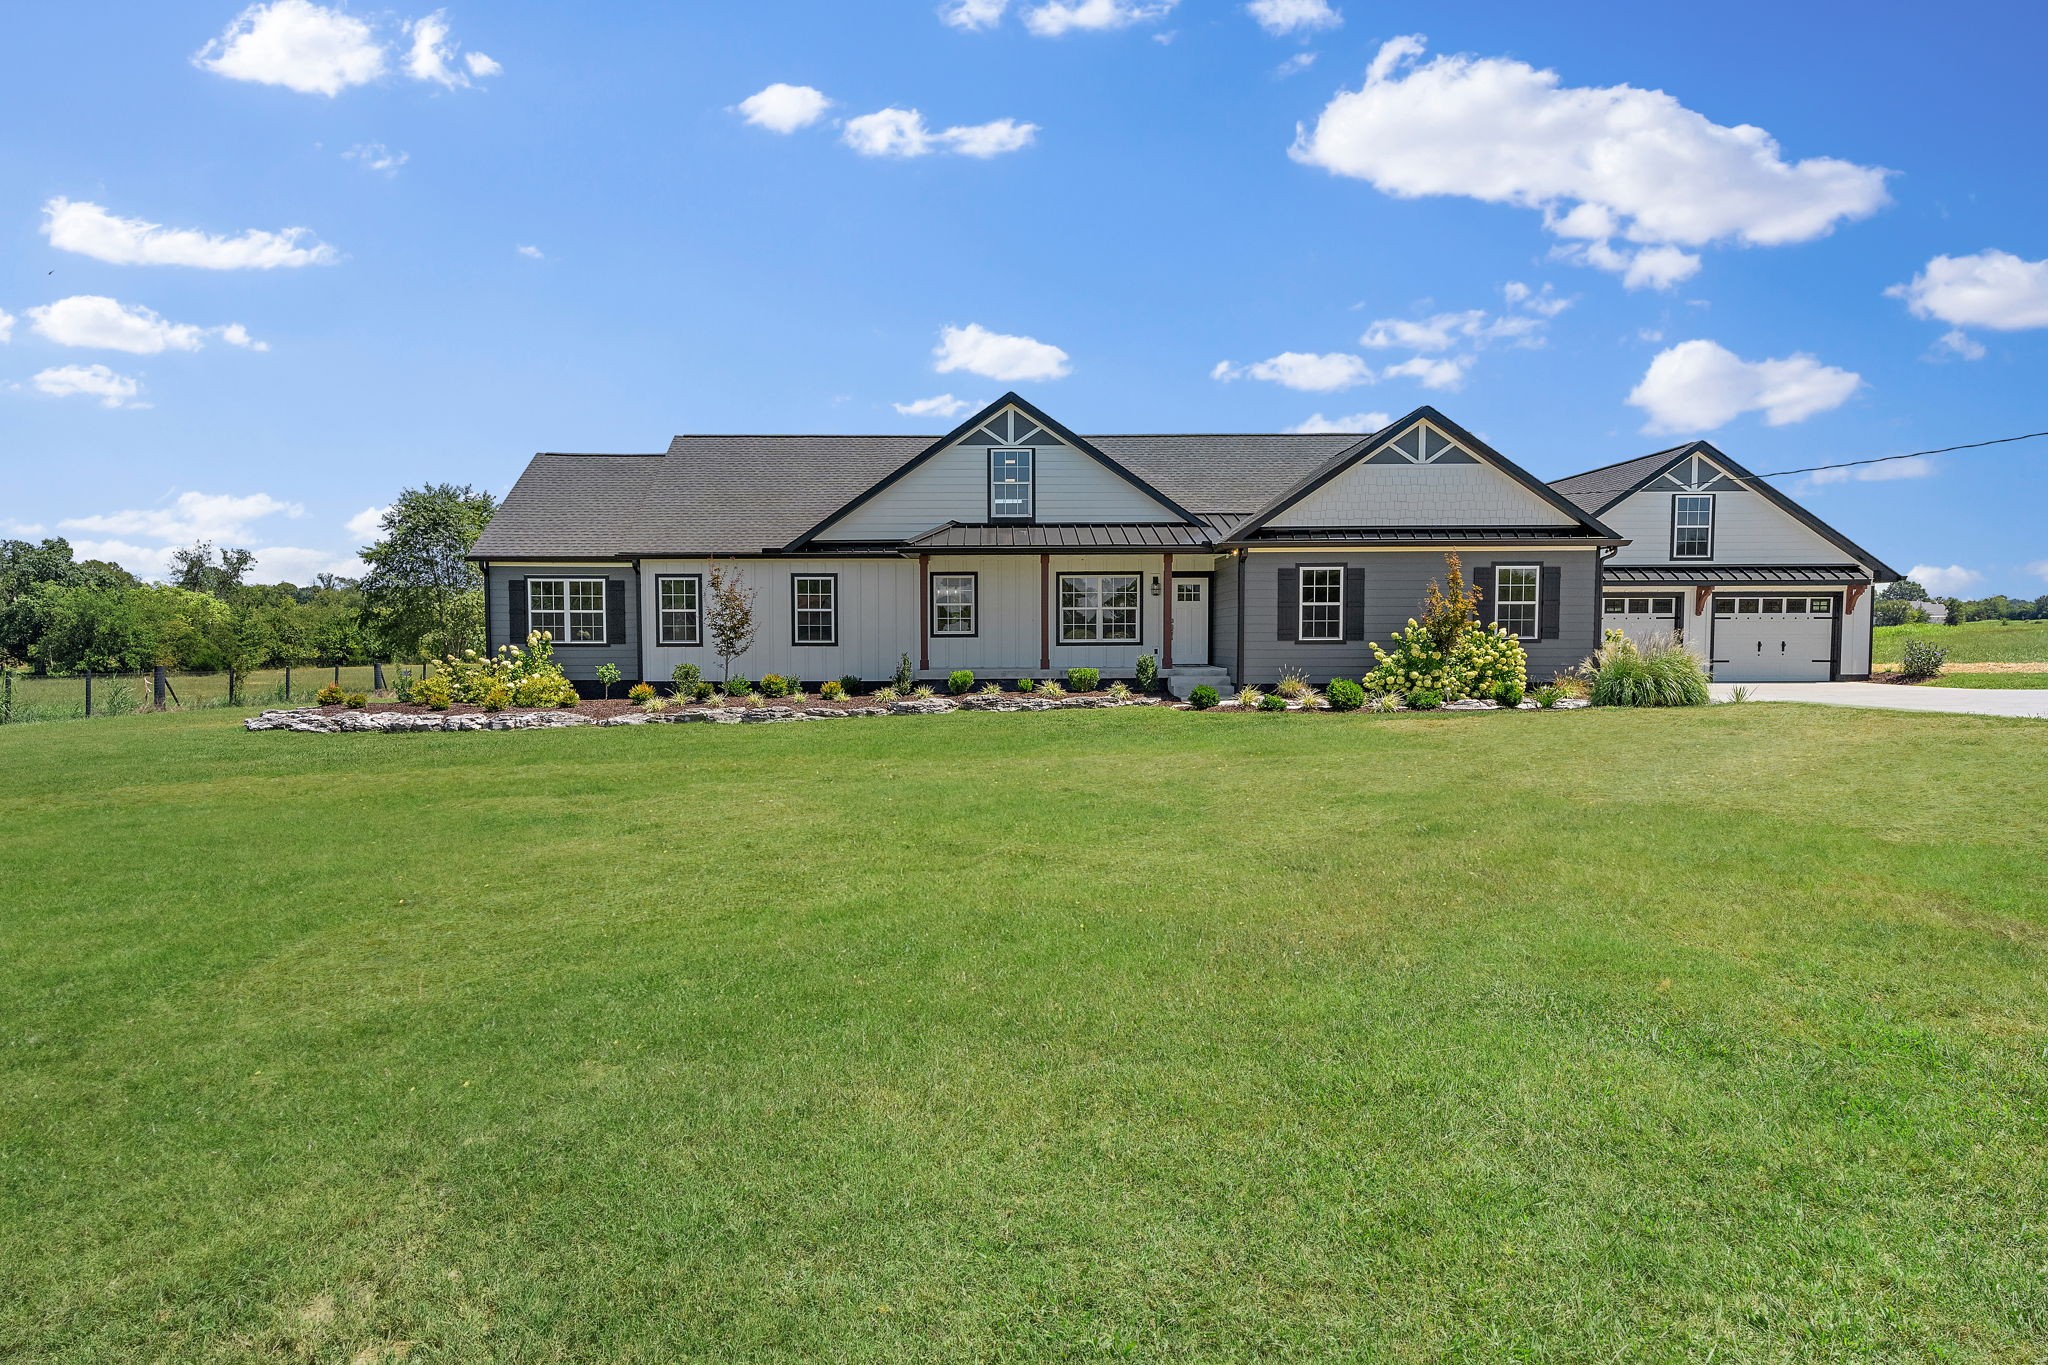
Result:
[[1589, 1036], [1975, 642], [1989, 680]]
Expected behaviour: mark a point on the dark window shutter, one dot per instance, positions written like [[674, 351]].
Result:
[[614, 611], [1548, 602], [1290, 601], [1482, 579], [515, 592], [1354, 603]]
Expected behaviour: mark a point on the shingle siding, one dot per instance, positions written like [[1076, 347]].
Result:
[[1401, 494]]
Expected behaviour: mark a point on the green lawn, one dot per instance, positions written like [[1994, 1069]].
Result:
[[1592, 1036], [1976, 642], [63, 698], [1999, 680]]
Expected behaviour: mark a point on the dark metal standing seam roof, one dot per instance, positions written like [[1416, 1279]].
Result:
[[1735, 573], [1164, 535]]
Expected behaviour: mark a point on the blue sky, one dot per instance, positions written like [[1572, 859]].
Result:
[[531, 226]]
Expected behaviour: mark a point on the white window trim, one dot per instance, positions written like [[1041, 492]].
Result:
[[562, 636], [1060, 606], [1535, 603], [796, 581], [661, 639], [973, 607], [1029, 483], [1301, 604], [1713, 516]]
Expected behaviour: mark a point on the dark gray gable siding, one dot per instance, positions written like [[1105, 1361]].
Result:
[[579, 662], [1394, 584]]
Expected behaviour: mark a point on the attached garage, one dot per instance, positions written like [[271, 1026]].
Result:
[[1773, 637], [1640, 614]]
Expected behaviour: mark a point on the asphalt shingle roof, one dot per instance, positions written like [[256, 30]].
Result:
[[1596, 488]]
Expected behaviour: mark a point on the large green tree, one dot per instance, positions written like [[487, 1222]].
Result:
[[424, 595]]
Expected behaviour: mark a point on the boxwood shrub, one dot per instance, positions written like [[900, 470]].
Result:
[[959, 680], [1344, 695], [1083, 679], [1203, 697]]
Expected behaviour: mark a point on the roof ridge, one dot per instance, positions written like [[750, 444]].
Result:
[[1603, 468]]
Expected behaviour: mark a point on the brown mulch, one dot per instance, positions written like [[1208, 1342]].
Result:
[[619, 706]]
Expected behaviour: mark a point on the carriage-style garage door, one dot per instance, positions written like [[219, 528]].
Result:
[[1640, 615], [1773, 638]]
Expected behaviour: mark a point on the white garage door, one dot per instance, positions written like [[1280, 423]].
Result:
[[1640, 615], [1770, 638]]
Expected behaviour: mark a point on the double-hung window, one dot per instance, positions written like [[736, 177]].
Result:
[[1692, 526], [953, 603], [1515, 589], [679, 604], [1322, 604], [1099, 608], [1009, 485], [569, 609], [814, 603]]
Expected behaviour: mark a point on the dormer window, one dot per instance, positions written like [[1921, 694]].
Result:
[[1009, 485]]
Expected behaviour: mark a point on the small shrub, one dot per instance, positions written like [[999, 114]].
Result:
[[959, 680], [1345, 695], [1082, 679], [849, 686], [1147, 672], [923, 692], [1425, 699], [432, 692], [738, 685], [902, 679], [1509, 694], [1203, 697], [832, 690], [1049, 688], [1272, 701], [703, 691], [1922, 660], [355, 701], [641, 693], [1026, 684], [1249, 698], [1293, 686], [608, 675], [542, 689], [1547, 696], [991, 689], [1386, 701], [884, 695], [753, 700], [330, 695], [774, 685], [1119, 691], [401, 688], [496, 697], [686, 677]]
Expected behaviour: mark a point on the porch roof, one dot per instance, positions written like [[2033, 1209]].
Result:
[[1429, 536], [1736, 573], [955, 536]]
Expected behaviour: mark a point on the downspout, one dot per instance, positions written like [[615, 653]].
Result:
[[1243, 586], [638, 622]]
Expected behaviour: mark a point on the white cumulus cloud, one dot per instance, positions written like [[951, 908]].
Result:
[[1304, 371], [531, 252], [90, 230], [1295, 65], [1957, 342], [297, 44], [902, 132], [1951, 581], [1057, 17], [1432, 372], [1917, 467], [188, 517], [943, 405], [1994, 289], [783, 108], [1700, 385], [432, 55], [973, 14], [101, 323], [1603, 165], [366, 524], [90, 381], [375, 156], [992, 355], [1279, 17], [1360, 423]]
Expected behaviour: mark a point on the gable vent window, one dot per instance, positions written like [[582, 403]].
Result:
[[1514, 599], [1009, 484], [815, 601], [1692, 526], [569, 609]]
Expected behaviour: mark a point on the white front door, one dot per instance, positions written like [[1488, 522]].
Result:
[[1190, 622], [1773, 637]]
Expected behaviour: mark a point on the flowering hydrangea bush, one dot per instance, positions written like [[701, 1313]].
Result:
[[1448, 653], [1415, 663], [1488, 662], [528, 674]]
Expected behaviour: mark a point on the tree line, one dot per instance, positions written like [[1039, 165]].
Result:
[[1904, 603], [419, 597]]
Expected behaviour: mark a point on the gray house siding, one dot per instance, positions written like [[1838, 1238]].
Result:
[[1223, 615], [1395, 582], [579, 662]]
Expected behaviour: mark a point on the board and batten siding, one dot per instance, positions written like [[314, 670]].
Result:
[[1395, 583], [1068, 486], [1401, 494], [1223, 614], [579, 662], [1748, 529]]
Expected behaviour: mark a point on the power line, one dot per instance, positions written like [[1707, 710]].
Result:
[[1851, 464]]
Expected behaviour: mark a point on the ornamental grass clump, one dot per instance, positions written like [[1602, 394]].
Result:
[[1051, 689], [1119, 691], [1293, 686], [1250, 698], [1657, 672]]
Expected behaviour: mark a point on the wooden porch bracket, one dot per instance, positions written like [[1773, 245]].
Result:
[[1853, 596], [1045, 611], [1700, 593], [1166, 613], [924, 614]]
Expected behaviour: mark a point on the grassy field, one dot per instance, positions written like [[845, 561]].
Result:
[[1592, 1036], [1975, 642], [116, 694], [2000, 680]]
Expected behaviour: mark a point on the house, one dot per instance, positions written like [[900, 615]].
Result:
[[1016, 548], [1754, 584]]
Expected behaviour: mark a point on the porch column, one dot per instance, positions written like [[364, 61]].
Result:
[[1166, 614], [924, 616], [1045, 611]]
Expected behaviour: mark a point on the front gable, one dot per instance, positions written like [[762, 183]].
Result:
[[1750, 522], [1425, 472], [1071, 482]]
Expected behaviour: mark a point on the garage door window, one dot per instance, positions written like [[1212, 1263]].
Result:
[[1772, 606], [1640, 606]]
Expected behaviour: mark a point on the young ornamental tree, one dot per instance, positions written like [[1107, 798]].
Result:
[[731, 617]]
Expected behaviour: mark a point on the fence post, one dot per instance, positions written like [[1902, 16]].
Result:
[[287, 684], [88, 694], [6, 693], [157, 686], [376, 676], [231, 687], [337, 675]]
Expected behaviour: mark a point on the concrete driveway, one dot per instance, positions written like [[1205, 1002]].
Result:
[[1969, 701]]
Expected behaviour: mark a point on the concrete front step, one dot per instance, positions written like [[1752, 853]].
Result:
[[1181, 681]]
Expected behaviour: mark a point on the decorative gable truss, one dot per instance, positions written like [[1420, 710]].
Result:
[[1695, 473]]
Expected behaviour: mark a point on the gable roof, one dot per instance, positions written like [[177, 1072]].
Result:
[[1584, 523], [1599, 489], [1008, 400]]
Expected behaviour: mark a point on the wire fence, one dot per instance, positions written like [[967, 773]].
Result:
[[26, 698]]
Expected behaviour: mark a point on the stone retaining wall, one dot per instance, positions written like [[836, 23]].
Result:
[[313, 722]]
